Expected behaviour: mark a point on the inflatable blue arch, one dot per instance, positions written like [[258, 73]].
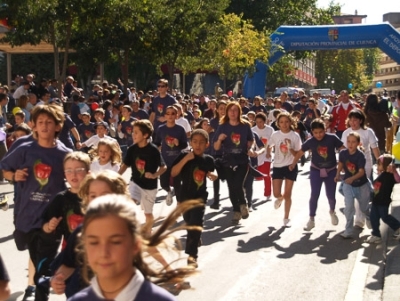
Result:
[[324, 37]]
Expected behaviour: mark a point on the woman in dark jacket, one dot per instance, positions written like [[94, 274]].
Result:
[[377, 120]]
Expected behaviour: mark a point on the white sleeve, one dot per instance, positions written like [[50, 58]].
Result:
[[297, 142], [373, 140], [89, 142]]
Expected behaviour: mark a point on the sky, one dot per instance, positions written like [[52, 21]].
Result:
[[374, 9]]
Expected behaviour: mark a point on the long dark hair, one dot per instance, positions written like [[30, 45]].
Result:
[[371, 103]]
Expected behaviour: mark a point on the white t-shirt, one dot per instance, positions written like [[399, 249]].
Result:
[[96, 167], [368, 141], [282, 143], [184, 123], [265, 136]]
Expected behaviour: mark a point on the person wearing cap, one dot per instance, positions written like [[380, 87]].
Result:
[[101, 133], [69, 88]]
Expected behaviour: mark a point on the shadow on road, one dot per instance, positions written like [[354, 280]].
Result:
[[265, 240]]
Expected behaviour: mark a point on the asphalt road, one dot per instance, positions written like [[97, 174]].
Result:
[[259, 259]]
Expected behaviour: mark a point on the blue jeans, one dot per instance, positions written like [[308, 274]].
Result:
[[362, 195], [382, 212]]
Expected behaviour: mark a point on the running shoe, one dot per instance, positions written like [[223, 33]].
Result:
[[373, 239], [278, 202], [310, 225], [334, 218], [244, 211]]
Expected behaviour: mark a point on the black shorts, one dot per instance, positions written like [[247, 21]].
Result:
[[22, 239], [284, 172]]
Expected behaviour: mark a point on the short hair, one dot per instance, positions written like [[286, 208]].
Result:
[[23, 127], [262, 116], [317, 123], [20, 114], [3, 96], [200, 132], [275, 113], [312, 100], [53, 111], [356, 135], [162, 81], [171, 108], [358, 114], [288, 116], [99, 110], [80, 157], [144, 126], [127, 107]]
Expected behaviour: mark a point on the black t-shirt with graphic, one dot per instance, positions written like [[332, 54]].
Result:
[[142, 160], [194, 176], [68, 206], [383, 187]]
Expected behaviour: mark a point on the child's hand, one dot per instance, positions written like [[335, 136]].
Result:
[[21, 175], [176, 141], [189, 156], [53, 223], [161, 119], [212, 176], [268, 156], [336, 179], [221, 137], [149, 175], [57, 283], [348, 181], [292, 166], [252, 153]]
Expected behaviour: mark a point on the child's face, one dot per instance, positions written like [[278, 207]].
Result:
[[380, 166], [85, 119], [221, 110], [110, 248], [98, 188], [199, 144], [126, 113], [46, 127], [355, 123], [260, 123], [138, 136], [170, 115], [101, 130], [196, 115], [18, 120], [352, 143], [75, 171], [284, 124], [318, 133], [104, 152], [19, 134], [311, 105], [205, 125], [98, 116]]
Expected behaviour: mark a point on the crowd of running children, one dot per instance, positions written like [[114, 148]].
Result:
[[169, 138]]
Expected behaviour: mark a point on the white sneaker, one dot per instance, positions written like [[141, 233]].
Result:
[[278, 202], [169, 198], [334, 218], [396, 233], [286, 223], [373, 240], [310, 225]]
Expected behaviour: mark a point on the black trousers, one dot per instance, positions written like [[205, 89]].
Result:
[[235, 179], [193, 217]]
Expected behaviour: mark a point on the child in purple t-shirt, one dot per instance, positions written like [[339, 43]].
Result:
[[323, 168], [355, 184]]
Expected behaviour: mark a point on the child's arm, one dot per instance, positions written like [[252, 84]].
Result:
[[218, 143], [57, 282], [339, 169], [268, 153], [122, 169], [392, 168], [19, 175], [176, 169], [296, 159], [158, 173]]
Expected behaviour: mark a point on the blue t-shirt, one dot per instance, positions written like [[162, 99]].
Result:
[[75, 112], [65, 136], [323, 150], [140, 114], [127, 130], [352, 164], [301, 108], [86, 131], [165, 137], [159, 107], [45, 179], [287, 106], [235, 144]]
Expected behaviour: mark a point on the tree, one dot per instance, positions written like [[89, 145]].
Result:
[[231, 48]]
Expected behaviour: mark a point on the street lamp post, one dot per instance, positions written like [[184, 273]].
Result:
[[329, 81]]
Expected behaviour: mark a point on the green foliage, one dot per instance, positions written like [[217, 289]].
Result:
[[231, 48]]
